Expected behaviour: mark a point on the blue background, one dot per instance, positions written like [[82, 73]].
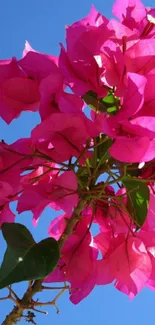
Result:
[[42, 23]]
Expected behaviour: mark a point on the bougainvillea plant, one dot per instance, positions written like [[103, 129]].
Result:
[[92, 156]]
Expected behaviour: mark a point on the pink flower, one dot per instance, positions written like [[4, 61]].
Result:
[[57, 226], [140, 57], [101, 210], [6, 215], [129, 12], [14, 159], [36, 64], [119, 219], [149, 224], [112, 61], [17, 91], [149, 240], [127, 262], [59, 192], [133, 98], [136, 149], [60, 133], [54, 99], [124, 36], [50, 87], [80, 63], [89, 32], [81, 275], [149, 97], [6, 190]]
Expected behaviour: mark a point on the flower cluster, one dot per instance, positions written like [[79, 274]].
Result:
[[99, 161]]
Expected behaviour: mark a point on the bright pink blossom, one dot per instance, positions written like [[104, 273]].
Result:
[[77, 153], [18, 92], [129, 12], [149, 240], [6, 215], [37, 65], [80, 63], [140, 57], [133, 97], [81, 275], [59, 192], [127, 262], [60, 134]]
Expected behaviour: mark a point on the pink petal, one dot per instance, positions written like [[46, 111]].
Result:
[[133, 149], [140, 57], [130, 12], [39, 65], [6, 215], [57, 226], [134, 96]]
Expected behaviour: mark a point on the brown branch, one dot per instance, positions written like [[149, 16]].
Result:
[[18, 310], [72, 221], [27, 302], [13, 294], [51, 303]]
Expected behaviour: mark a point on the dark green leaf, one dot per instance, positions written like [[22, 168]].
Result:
[[134, 172], [103, 150], [25, 259], [82, 176], [91, 100], [108, 104], [138, 199]]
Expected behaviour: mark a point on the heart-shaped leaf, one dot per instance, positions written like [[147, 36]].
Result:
[[25, 259], [138, 199]]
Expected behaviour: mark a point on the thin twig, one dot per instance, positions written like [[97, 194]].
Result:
[[51, 303], [40, 311]]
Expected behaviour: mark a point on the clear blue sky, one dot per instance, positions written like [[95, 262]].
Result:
[[42, 23]]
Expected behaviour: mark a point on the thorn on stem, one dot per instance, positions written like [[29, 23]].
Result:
[[40, 311]]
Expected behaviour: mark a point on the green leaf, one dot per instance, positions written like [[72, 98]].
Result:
[[108, 104], [133, 172], [25, 259], [111, 103], [88, 161], [112, 110], [93, 102], [103, 150], [109, 100], [82, 176], [138, 199]]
